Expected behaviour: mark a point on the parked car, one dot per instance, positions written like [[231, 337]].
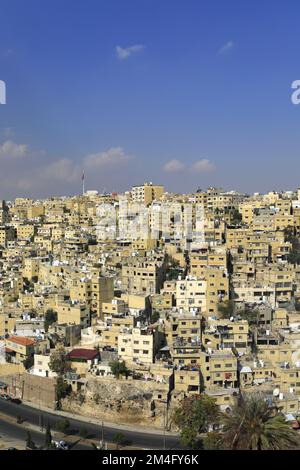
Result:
[[17, 401], [61, 445], [5, 396]]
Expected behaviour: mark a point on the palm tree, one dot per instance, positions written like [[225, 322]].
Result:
[[254, 425]]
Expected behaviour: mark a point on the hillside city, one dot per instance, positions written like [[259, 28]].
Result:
[[127, 308]]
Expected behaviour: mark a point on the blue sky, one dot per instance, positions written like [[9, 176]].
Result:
[[188, 93]]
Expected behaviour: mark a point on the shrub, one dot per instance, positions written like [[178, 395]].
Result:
[[63, 425]]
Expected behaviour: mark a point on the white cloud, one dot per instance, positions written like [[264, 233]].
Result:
[[61, 170], [8, 132], [112, 156], [203, 166], [11, 150], [50, 176], [228, 46], [125, 52], [173, 166], [200, 166]]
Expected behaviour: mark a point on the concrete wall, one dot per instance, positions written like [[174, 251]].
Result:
[[38, 390]]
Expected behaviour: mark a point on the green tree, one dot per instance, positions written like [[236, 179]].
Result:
[[50, 317], [226, 308], [189, 437], [250, 314], [194, 417], [62, 388], [83, 432], [173, 268], [58, 361], [155, 316], [118, 368], [28, 363], [213, 441], [48, 437], [119, 439], [20, 419], [289, 236], [254, 425], [29, 442], [63, 425], [235, 217]]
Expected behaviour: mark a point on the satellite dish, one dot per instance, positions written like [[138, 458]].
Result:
[[276, 392]]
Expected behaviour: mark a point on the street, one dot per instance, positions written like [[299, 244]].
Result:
[[33, 416]]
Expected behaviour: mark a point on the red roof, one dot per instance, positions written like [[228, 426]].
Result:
[[21, 340], [80, 353]]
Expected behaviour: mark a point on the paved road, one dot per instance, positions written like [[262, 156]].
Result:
[[12, 431], [134, 438]]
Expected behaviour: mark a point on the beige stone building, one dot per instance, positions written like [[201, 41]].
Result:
[[137, 345], [146, 193]]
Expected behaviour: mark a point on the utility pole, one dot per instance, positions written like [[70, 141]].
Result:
[[102, 436], [165, 425], [40, 415]]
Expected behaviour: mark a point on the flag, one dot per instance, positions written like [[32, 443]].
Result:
[[82, 176]]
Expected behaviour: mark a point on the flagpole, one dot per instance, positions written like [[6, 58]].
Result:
[[83, 190]]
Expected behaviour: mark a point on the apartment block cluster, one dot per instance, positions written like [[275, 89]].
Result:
[[194, 293]]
